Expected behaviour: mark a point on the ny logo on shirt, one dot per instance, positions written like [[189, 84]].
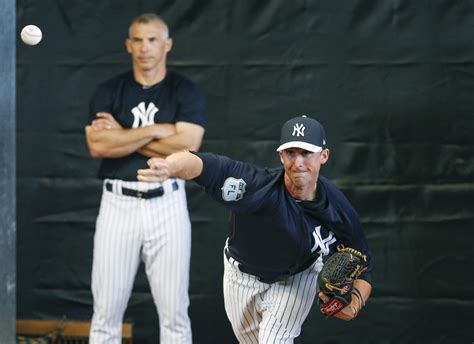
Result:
[[322, 244], [144, 116], [298, 129]]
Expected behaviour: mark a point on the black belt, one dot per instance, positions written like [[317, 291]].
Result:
[[271, 277], [158, 192]]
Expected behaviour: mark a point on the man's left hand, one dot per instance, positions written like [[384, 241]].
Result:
[[104, 121]]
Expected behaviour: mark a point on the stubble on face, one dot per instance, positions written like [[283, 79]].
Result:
[[148, 46], [301, 172]]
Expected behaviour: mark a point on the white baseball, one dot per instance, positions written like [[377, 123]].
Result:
[[31, 34]]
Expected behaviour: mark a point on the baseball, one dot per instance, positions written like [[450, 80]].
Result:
[[31, 34]]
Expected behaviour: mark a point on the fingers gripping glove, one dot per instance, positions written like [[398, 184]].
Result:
[[337, 277]]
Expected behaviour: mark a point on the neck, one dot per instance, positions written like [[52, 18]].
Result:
[[149, 77], [303, 193]]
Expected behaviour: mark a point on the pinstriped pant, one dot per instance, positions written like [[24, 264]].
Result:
[[268, 313], [156, 231]]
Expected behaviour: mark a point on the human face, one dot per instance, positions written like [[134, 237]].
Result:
[[148, 46], [302, 167]]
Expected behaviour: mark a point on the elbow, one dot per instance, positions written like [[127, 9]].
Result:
[[102, 152], [92, 143], [95, 150], [188, 137], [95, 153], [193, 144], [190, 145], [195, 147]]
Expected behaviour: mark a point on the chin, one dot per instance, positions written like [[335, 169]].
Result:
[[300, 181], [146, 67], [300, 176]]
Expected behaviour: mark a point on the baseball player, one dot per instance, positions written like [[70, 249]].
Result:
[[283, 221], [147, 112]]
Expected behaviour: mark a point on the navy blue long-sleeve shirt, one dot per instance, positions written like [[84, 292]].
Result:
[[273, 235]]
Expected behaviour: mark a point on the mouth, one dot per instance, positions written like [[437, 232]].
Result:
[[299, 173], [144, 59]]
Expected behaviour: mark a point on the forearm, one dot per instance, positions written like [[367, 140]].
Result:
[[115, 143], [188, 136], [184, 165], [169, 146]]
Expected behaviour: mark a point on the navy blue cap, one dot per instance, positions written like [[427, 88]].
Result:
[[303, 132]]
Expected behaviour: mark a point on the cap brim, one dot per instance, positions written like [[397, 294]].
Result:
[[299, 144]]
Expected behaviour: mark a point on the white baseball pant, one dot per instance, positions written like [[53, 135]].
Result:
[[268, 313], [156, 231]]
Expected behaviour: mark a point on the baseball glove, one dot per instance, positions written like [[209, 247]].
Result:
[[337, 277]]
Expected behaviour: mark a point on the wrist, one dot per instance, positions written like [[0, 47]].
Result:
[[163, 130], [355, 311], [360, 298], [356, 304]]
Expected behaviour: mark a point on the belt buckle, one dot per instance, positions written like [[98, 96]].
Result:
[[140, 194]]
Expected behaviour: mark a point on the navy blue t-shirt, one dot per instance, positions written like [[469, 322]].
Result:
[[174, 99], [272, 234]]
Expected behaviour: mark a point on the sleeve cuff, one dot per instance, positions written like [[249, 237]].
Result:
[[206, 174]]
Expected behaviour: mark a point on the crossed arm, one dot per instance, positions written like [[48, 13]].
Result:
[[106, 138]]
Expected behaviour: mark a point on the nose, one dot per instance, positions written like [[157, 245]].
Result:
[[144, 45], [299, 160]]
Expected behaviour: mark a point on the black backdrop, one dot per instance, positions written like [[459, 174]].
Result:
[[391, 80]]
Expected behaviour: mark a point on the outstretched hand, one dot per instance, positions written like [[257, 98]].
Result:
[[159, 171]]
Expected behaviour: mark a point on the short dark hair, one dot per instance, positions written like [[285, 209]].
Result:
[[146, 18]]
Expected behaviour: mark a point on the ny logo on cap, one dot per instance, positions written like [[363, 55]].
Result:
[[298, 129]]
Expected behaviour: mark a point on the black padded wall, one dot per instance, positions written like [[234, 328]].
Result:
[[392, 81]]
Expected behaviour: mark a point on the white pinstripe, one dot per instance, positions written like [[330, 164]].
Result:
[[268, 313], [156, 231]]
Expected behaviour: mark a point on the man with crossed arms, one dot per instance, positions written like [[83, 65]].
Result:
[[147, 112]]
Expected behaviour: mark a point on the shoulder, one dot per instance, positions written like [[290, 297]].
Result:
[[181, 82], [330, 187], [116, 81], [335, 196], [120, 78], [177, 77]]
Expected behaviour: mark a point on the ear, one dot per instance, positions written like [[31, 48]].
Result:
[[281, 157], [324, 156], [128, 45], [169, 45]]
